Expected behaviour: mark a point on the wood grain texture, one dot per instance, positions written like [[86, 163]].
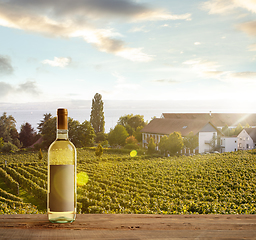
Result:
[[112, 226]]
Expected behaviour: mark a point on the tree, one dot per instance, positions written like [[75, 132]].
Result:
[[40, 155], [9, 147], [238, 129], [27, 134], [131, 143], [117, 136], [15, 137], [133, 124], [225, 130], [99, 151], [191, 141], [47, 116], [151, 146], [131, 140], [7, 123], [171, 144], [48, 132], [138, 134], [83, 134], [163, 145], [97, 114], [175, 143]]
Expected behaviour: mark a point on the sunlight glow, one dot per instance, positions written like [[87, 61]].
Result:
[[82, 179], [133, 153]]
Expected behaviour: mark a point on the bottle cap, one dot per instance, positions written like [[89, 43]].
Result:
[[62, 118]]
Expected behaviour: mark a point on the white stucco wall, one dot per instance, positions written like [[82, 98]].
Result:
[[244, 141], [204, 139], [229, 144]]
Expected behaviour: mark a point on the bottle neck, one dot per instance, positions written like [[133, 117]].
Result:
[[62, 134]]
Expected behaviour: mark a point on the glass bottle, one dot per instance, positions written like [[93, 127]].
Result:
[[61, 194]]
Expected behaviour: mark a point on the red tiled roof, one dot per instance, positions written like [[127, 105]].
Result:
[[167, 126], [217, 119]]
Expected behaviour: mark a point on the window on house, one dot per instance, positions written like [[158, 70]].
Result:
[[247, 145]]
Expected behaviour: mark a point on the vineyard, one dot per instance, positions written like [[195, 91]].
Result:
[[117, 183]]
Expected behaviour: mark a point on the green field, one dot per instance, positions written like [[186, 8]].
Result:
[[117, 183]]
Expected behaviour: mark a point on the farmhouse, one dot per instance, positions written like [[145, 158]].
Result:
[[207, 126], [246, 139]]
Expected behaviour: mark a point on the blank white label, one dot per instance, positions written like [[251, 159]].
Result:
[[62, 193]]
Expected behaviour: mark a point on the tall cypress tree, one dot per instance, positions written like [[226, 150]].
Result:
[[97, 114]]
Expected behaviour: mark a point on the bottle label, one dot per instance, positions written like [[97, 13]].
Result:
[[62, 192]]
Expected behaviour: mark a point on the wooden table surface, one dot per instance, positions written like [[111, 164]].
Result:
[[130, 227]]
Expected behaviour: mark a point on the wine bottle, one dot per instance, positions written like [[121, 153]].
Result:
[[61, 195]]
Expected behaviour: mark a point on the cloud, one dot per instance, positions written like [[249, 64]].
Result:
[[58, 62], [165, 81], [28, 87], [207, 69], [228, 6], [139, 29], [243, 75], [248, 27], [5, 89], [197, 43], [201, 66], [83, 18], [5, 65]]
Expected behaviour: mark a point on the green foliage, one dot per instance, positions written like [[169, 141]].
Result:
[[48, 132], [97, 114], [9, 181], [27, 135], [40, 155], [1, 143], [105, 144], [101, 137], [9, 148], [133, 124], [163, 145], [229, 132], [171, 144], [12, 208], [8, 129], [131, 146], [99, 151], [191, 141], [47, 116], [117, 136], [201, 184], [238, 129], [151, 146], [81, 135]]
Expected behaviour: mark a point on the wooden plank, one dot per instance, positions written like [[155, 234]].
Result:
[[115, 226]]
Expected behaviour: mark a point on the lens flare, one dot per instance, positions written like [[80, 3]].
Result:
[[133, 153], [82, 179]]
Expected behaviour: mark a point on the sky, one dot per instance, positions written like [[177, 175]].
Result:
[[63, 50]]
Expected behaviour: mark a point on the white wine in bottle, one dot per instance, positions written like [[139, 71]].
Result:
[[61, 195]]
